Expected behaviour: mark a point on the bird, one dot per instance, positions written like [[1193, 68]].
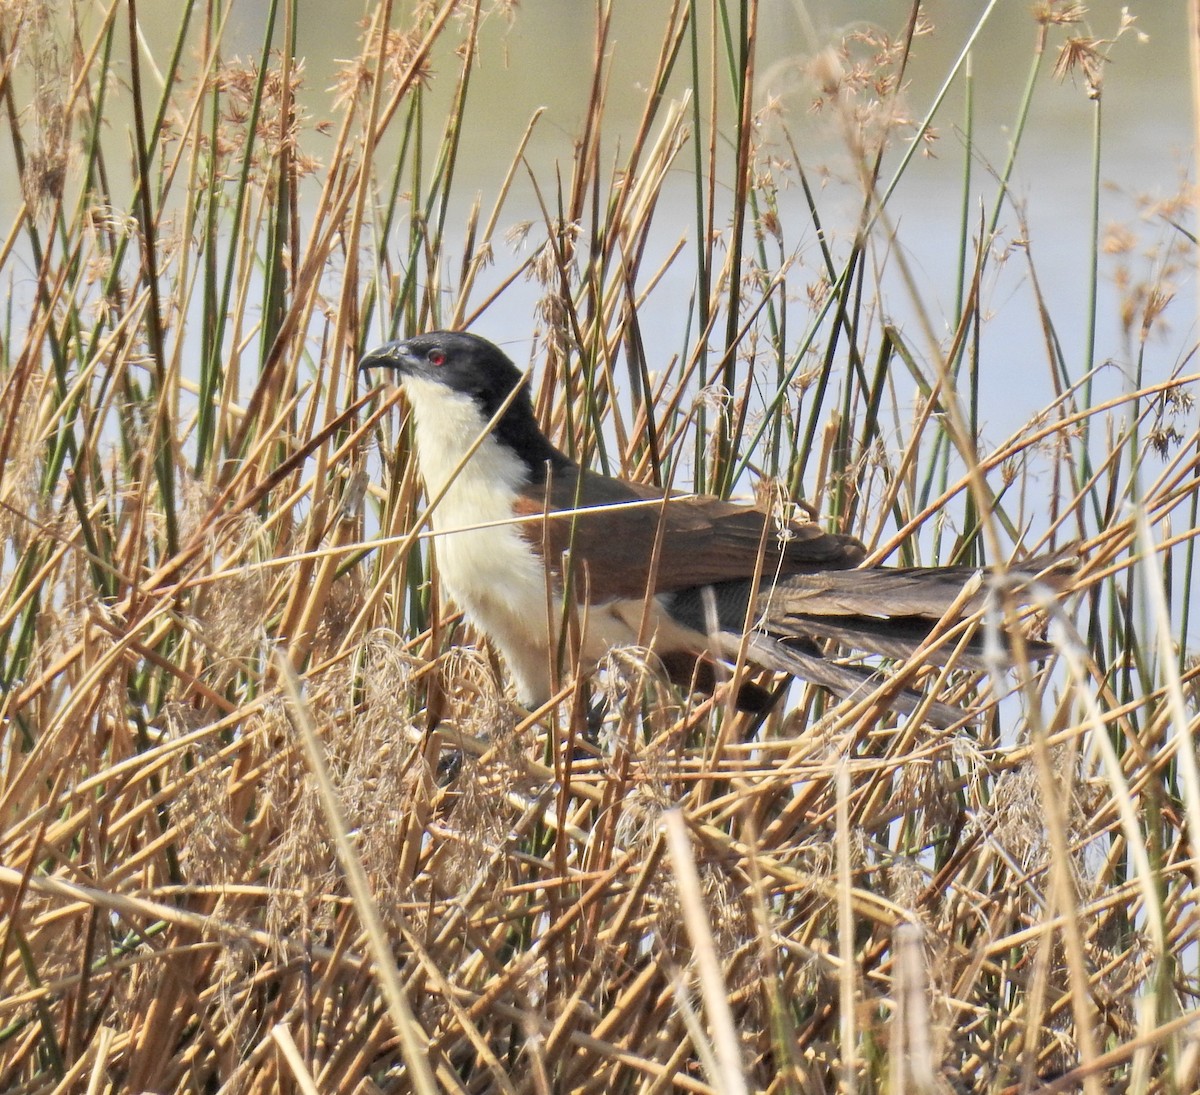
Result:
[[519, 527]]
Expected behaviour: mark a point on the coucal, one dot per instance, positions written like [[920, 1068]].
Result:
[[518, 521]]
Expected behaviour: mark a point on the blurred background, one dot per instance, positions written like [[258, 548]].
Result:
[[538, 57], [542, 60]]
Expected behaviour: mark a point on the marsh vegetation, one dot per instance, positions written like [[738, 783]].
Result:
[[268, 818]]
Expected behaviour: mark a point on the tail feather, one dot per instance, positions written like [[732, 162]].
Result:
[[889, 592], [882, 610], [884, 593], [848, 682], [896, 638]]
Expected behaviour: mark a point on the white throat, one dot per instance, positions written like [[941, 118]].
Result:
[[492, 572], [447, 425]]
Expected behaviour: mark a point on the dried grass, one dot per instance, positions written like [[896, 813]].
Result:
[[268, 822]]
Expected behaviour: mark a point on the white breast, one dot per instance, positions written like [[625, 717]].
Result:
[[492, 573]]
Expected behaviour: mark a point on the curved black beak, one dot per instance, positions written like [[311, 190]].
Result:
[[391, 355]]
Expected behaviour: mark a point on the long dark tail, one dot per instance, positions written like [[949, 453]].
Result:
[[880, 610]]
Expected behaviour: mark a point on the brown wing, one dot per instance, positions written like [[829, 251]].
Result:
[[700, 540]]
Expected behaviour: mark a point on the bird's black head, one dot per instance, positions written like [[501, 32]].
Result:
[[462, 362], [469, 365]]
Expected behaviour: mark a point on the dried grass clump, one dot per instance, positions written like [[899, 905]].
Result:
[[269, 820]]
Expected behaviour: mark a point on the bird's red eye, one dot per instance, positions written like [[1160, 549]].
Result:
[[436, 357]]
